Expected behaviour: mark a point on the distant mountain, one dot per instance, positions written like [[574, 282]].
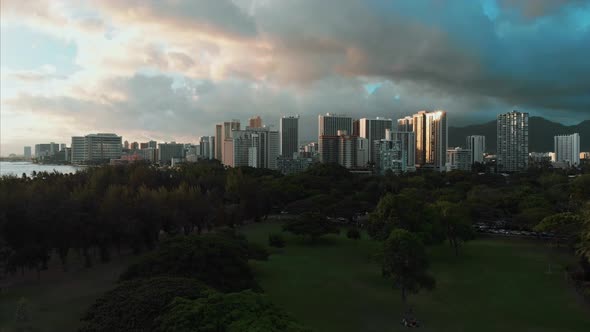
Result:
[[541, 132]]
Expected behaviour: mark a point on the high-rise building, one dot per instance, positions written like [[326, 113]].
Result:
[[134, 146], [397, 152], [169, 151], [227, 150], [513, 142], [374, 130], [459, 159], [347, 150], [153, 144], [255, 122], [207, 147], [405, 124], [567, 149], [477, 145], [96, 148], [219, 141], [255, 147], [62, 147], [431, 138], [148, 154], [329, 124], [289, 128], [27, 152], [328, 141], [78, 154], [143, 145], [46, 150], [353, 151]]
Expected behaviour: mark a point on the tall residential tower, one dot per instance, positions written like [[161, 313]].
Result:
[[513, 141], [289, 128]]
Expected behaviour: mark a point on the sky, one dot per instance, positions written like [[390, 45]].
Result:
[[169, 70]]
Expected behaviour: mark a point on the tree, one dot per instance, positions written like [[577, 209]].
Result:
[[566, 226], [456, 223], [134, 305], [584, 245], [405, 263], [235, 312], [313, 225]]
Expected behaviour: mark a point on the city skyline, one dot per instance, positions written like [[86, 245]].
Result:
[[170, 72]]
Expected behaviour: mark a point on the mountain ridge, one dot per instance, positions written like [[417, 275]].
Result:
[[541, 133]]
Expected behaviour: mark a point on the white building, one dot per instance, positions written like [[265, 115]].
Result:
[[169, 151], [459, 159], [397, 152], [477, 145], [567, 149], [96, 148], [207, 147], [255, 147], [27, 152]]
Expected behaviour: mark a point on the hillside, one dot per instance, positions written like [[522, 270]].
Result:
[[541, 132]]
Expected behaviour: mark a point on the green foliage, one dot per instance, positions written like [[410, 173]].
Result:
[[234, 312], [133, 305], [313, 225], [276, 240], [353, 233], [218, 260], [406, 210], [563, 224], [456, 222], [405, 262]]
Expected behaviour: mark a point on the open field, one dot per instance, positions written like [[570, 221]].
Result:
[[336, 285], [494, 285], [58, 300]]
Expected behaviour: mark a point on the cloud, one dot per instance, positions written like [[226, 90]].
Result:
[[46, 72], [166, 68]]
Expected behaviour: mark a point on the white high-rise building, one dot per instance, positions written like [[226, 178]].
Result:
[[477, 145], [94, 148], [255, 147], [169, 151], [459, 159], [207, 147], [567, 149], [397, 152], [513, 142], [27, 152], [289, 128], [374, 130]]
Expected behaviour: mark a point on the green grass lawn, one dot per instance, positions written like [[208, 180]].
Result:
[[57, 303], [494, 285]]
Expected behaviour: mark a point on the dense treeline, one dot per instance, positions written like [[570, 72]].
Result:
[[104, 210]]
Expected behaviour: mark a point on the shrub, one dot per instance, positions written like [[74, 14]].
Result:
[[276, 240]]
